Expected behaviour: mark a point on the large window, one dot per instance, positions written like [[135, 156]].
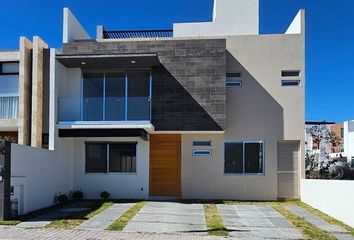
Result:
[[110, 158], [116, 96], [244, 157], [9, 90]]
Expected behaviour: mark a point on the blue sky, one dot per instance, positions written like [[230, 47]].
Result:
[[329, 32]]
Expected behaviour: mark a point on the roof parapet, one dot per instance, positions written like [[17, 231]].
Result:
[[297, 26], [72, 28]]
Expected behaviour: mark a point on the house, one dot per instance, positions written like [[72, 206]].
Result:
[[312, 143], [205, 110], [345, 131], [210, 110], [24, 93]]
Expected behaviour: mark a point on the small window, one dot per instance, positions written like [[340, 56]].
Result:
[[342, 132], [234, 84], [9, 68], [292, 73], [233, 75], [244, 158], [201, 152], [290, 83], [110, 158], [202, 143]]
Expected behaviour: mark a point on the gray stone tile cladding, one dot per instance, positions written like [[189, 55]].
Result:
[[188, 87]]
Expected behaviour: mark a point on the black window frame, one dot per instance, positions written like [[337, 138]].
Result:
[[290, 73], [107, 160], [10, 73], [288, 83], [262, 173]]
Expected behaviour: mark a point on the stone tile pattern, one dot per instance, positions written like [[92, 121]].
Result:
[[315, 220], [45, 219], [60, 234], [107, 217], [256, 222], [337, 231], [163, 217], [188, 88]]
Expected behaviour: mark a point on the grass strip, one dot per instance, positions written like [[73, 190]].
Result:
[[324, 216], [123, 220], [76, 218], [309, 230], [214, 222]]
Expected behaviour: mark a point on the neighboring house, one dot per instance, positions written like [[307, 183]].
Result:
[[201, 111], [345, 131], [22, 87], [312, 143], [338, 130]]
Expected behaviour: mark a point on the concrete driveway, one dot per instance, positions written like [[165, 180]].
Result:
[[168, 217]]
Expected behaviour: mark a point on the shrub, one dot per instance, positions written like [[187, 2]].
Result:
[[105, 195], [78, 195], [63, 199]]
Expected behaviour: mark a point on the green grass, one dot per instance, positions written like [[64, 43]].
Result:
[[308, 230], [10, 222], [121, 222], [214, 222], [75, 219], [322, 215]]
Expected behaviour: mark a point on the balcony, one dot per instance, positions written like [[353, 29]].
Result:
[[114, 99]]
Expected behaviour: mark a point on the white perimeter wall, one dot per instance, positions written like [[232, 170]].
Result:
[[333, 197], [119, 185], [42, 173]]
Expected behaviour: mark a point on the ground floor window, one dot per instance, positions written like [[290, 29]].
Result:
[[110, 157], [244, 157]]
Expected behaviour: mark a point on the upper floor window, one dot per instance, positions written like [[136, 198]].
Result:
[[9, 68], [342, 132], [233, 80], [244, 157], [290, 73], [202, 143], [290, 83]]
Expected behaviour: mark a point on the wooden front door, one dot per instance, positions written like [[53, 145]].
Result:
[[165, 165]]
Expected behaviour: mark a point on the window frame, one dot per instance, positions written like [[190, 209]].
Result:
[[107, 143], [283, 73], [243, 153], [194, 154], [9, 73], [200, 143], [233, 80], [289, 80]]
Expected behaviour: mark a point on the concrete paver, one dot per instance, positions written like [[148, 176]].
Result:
[[14, 233], [107, 217], [315, 220], [256, 222], [47, 218], [165, 217]]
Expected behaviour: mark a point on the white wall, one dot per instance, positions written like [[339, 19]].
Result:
[[333, 197], [43, 173], [230, 17], [119, 185], [349, 139], [72, 28]]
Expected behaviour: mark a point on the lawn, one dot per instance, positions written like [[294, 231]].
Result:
[[214, 223], [308, 230], [123, 220], [76, 218]]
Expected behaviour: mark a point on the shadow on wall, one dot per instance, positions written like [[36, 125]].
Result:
[[173, 107], [252, 113]]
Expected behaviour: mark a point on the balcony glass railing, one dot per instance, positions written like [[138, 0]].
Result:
[[8, 107], [115, 109]]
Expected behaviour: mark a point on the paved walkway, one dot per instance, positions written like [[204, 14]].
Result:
[[107, 217], [337, 231], [165, 217], [47, 218], [256, 222], [14, 233]]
